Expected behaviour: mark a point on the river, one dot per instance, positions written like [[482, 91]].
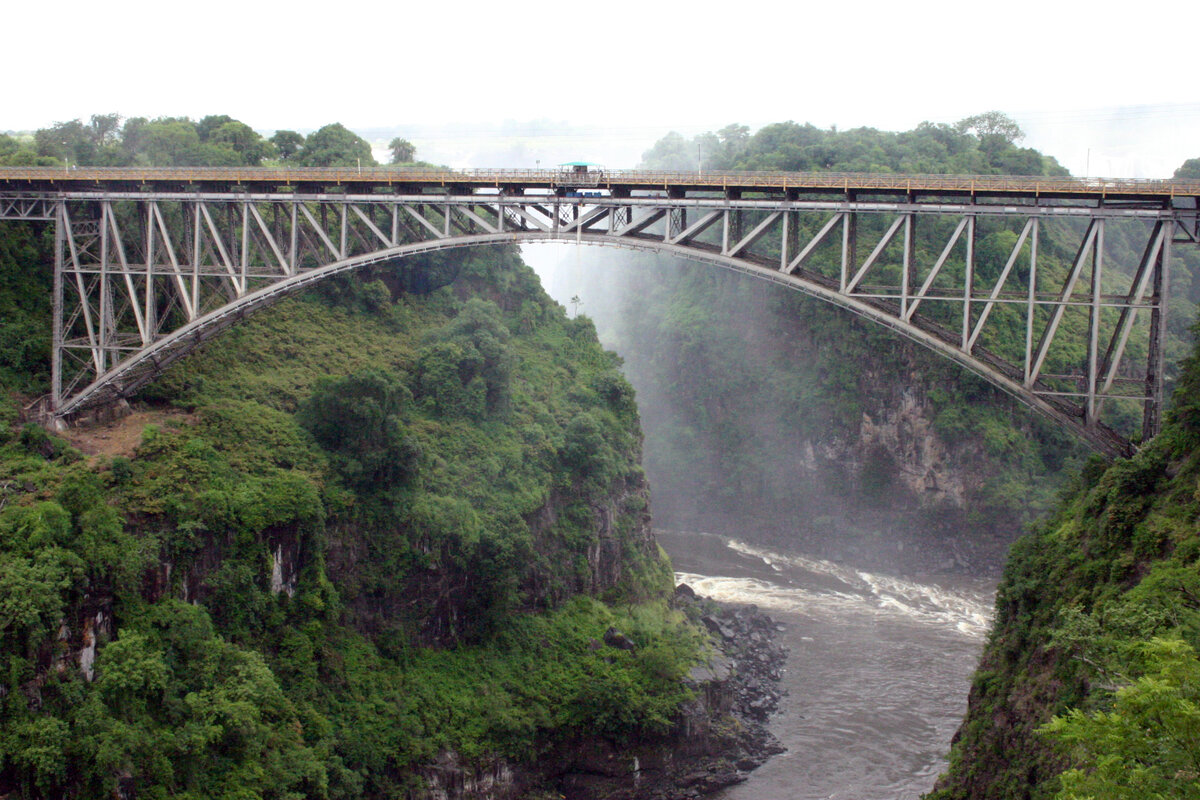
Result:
[[878, 673]]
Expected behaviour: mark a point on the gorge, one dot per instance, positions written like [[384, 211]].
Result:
[[395, 534]]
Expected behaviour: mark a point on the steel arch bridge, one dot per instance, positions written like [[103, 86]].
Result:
[[149, 263]]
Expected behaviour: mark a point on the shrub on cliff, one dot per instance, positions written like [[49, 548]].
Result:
[[358, 421]]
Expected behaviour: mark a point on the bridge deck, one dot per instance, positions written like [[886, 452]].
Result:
[[617, 182]]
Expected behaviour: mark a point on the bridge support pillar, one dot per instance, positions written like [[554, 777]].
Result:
[[56, 352], [1152, 416], [849, 248], [1093, 343]]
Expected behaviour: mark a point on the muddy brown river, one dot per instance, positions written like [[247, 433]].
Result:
[[878, 672]]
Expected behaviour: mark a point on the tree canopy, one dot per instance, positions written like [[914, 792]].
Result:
[[1190, 169], [213, 141], [336, 145], [980, 144], [403, 151]]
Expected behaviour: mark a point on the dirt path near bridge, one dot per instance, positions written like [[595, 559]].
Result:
[[122, 436]]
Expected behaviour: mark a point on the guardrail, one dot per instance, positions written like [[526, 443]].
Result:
[[845, 181]]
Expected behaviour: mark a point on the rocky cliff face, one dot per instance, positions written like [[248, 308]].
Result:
[[717, 739], [904, 434], [435, 602]]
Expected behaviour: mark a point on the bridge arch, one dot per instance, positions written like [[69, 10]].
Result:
[[150, 262], [144, 364]]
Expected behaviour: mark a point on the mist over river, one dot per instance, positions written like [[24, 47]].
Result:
[[878, 674]]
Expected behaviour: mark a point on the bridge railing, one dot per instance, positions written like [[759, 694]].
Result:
[[839, 181]]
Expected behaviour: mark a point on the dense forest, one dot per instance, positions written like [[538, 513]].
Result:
[[107, 140], [371, 526]]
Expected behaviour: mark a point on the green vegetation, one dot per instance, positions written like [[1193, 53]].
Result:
[[335, 146], [397, 515], [1148, 744], [1091, 670], [214, 141], [390, 518], [979, 145], [403, 151], [411, 524]]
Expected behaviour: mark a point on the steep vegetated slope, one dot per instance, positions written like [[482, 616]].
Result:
[[1098, 626], [392, 522], [767, 410], [250, 601]]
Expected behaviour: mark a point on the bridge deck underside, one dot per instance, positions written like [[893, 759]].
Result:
[[1060, 304]]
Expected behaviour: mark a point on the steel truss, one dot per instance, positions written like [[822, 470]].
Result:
[[142, 278]]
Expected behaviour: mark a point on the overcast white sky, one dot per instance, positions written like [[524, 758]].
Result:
[[1106, 93]]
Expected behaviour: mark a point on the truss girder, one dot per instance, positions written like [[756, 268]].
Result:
[[27, 208], [142, 277]]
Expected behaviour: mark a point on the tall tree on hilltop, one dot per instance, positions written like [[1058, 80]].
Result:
[[288, 144], [206, 127], [336, 146], [403, 151], [992, 123], [242, 139], [1190, 170]]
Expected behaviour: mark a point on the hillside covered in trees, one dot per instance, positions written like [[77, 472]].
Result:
[[1089, 683], [383, 523]]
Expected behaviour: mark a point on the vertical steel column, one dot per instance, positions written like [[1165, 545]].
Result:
[[151, 316], [105, 293], [968, 282], [791, 238], [245, 247], [1156, 362], [342, 239], [1031, 303], [1093, 344], [784, 242], [849, 247], [277, 226], [196, 256], [60, 242], [293, 239], [906, 265]]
